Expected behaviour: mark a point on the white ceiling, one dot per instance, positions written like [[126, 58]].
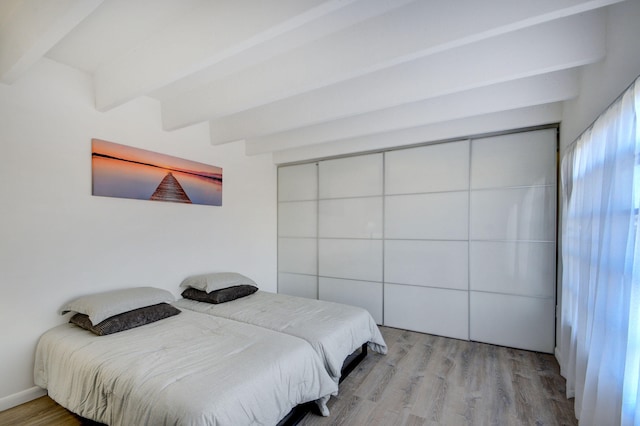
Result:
[[283, 75]]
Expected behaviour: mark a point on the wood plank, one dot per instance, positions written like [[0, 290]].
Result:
[[427, 380], [42, 412]]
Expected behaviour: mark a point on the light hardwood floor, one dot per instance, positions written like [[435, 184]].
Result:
[[431, 380], [423, 380], [41, 412]]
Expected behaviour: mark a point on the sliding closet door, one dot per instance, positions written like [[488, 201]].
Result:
[[298, 230], [512, 249], [456, 239], [350, 232], [426, 239]]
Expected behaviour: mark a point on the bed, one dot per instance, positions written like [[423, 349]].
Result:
[[334, 330], [188, 369]]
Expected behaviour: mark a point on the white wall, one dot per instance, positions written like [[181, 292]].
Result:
[[602, 82], [57, 241]]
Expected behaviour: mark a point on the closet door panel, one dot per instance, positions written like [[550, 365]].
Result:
[[353, 259], [351, 177], [298, 255], [525, 159], [367, 295], [298, 285], [428, 310], [297, 230], [514, 321], [514, 214], [427, 263], [433, 168], [438, 216], [298, 219], [519, 268], [298, 182], [351, 218]]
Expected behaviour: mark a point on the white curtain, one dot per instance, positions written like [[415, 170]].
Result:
[[599, 343]]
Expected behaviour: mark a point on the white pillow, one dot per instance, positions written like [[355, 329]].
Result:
[[216, 281], [100, 306]]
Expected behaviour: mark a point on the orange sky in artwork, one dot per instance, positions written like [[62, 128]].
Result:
[[161, 160]]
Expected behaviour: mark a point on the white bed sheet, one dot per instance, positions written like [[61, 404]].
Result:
[[333, 329], [190, 369]]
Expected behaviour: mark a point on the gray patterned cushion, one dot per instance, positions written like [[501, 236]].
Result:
[[219, 296], [216, 281], [126, 320], [100, 306]]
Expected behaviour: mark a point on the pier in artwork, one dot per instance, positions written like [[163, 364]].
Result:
[[170, 190]]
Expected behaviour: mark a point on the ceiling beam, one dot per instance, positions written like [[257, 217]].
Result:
[[207, 35], [557, 45], [415, 30], [115, 27], [32, 28], [448, 130], [353, 13], [537, 90], [222, 91]]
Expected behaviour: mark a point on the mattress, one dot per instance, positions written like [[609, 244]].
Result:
[[190, 369], [334, 330]]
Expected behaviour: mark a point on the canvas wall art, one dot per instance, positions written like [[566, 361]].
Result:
[[126, 172]]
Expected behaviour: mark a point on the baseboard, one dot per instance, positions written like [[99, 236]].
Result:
[[21, 397]]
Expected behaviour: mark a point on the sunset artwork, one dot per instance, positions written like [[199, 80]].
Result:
[[126, 172]]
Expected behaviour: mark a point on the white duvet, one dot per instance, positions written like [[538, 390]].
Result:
[[333, 329], [190, 369]]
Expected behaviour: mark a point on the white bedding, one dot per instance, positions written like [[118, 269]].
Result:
[[190, 369], [333, 329]]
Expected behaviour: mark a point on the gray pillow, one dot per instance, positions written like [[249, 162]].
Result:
[[216, 281], [100, 306], [126, 320], [219, 296]]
